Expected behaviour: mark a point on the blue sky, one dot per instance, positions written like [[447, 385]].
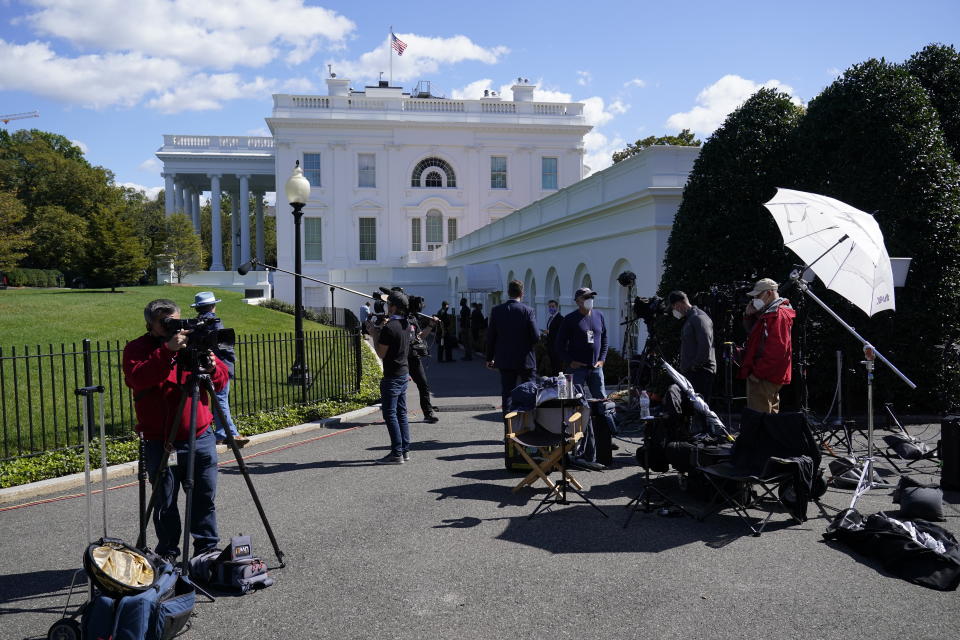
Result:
[[115, 75]]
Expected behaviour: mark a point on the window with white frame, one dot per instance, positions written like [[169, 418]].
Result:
[[367, 169], [548, 173], [312, 239], [416, 242], [434, 229], [311, 168], [451, 229], [498, 172], [368, 238]]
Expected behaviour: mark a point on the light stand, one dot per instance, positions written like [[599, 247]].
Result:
[[298, 192], [642, 500], [870, 355]]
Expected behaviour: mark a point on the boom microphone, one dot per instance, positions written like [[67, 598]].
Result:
[[244, 268]]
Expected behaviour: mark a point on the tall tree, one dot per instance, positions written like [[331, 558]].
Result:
[[873, 140], [683, 139], [14, 240], [115, 256], [183, 245], [59, 241], [937, 67]]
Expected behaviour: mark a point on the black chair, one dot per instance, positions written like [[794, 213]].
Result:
[[774, 456]]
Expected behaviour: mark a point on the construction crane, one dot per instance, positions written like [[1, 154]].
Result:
[[19, 116]]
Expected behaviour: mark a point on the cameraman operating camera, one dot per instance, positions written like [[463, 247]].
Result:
[[698, 363], [152, 369]]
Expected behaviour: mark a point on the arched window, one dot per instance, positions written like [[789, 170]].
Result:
[[433, 176], [434, 229]]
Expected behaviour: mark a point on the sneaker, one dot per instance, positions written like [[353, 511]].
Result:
[[587, 464], [406, 456], [391, 458], [431, 419], [241, 441]]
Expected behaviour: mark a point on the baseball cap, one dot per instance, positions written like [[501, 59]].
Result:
[[764, 284], [584, 292], [398, 299]]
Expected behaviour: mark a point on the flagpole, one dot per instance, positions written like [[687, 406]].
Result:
[[390, 53]]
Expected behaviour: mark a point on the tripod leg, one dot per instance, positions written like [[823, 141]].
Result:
[[189, 475], [246, 474]]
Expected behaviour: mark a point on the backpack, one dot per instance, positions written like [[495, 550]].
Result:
[[233, 569]]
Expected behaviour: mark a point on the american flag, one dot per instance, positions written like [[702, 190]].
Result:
[[397, 44]]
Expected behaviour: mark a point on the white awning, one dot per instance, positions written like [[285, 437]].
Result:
[[483, 278]]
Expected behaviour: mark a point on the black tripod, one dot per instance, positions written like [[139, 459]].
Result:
[[642, 501], [195, 380], [558, 494]]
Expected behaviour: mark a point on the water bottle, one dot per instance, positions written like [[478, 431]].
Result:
[[561, 386], [644, 404]]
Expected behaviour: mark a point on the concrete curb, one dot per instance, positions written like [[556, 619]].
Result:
[[55, 485]]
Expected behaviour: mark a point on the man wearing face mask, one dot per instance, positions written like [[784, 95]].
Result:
[[767, 358], [555, 318], [698, 363], [582, 343]]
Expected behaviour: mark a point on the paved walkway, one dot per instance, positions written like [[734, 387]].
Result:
[[441, 548]]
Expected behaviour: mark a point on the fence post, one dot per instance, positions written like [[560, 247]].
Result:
[[88, 382], [358, 354]]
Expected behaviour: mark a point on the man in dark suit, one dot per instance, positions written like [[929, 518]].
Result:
[[511, 334]]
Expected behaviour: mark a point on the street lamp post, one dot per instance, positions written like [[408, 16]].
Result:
[[298, 192]]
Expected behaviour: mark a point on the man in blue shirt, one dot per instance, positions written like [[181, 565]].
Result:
[[510, 338], [582, 343]]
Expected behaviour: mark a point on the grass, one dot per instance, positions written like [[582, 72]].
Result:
[[54, 316]]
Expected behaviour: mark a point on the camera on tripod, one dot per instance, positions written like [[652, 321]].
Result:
[[647, 309], [204, 334]]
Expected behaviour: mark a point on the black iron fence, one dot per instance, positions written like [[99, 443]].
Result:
[[39, 410], [339, 317]]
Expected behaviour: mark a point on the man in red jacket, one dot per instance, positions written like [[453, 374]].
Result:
[[152, 372], [767, 359]]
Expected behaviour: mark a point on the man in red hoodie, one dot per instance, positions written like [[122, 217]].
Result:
[[153, 373], [767, 359]]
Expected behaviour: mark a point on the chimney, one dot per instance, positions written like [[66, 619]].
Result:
[[523, 91], [338, 86]]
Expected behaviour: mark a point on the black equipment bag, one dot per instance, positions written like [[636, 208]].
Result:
[[950, 452], [233, 569]]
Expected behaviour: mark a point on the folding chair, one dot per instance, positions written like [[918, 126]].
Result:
[[551, 434], [772, 451]]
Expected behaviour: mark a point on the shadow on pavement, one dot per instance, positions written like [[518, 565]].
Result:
[[51, 584]]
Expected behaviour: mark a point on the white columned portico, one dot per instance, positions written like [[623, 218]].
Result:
[[169, 194], [216, 237], [234, 230], [177, 195], [258, 211], [244, 219], [196, 210]]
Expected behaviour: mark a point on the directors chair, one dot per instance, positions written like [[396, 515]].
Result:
[[551, 431], [774, 458]]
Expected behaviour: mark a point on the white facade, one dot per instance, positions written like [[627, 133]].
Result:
[[408, 174]]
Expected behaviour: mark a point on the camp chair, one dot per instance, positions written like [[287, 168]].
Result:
[[772, 450], [551, 434]]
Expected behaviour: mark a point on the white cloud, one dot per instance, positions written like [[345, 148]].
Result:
[[259, 131], [150, 192], [473, 91], [205, 92], [718, 100], [636, 82], [584, 78], [94, 81], [80, 145], [150, 165], [423, 56], [298, 85], [618, 107], [205, 33]]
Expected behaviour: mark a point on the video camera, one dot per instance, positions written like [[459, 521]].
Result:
[[204, 335], [647, 309]]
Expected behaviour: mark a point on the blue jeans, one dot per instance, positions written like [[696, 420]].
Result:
[[223, 401], [592, 378], [393, 404], [166, 515]]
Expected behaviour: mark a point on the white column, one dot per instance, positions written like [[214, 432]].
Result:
[[234, 227], [177, 195], [185, 200], [196, 210], [216, 239], [169, 194], [244, 219], [258, 211]]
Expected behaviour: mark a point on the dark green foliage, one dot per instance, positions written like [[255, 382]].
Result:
[[937, 67], [20, 277], [115, 255], [286, 307], [183, 245], [14, 238], [683, 139], [873, 140]]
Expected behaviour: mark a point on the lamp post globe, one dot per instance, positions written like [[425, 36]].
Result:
[[298, 192]]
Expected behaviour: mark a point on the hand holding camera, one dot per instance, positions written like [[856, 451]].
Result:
[[178, 340]]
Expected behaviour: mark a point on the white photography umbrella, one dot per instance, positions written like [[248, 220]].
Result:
[[842, 245]]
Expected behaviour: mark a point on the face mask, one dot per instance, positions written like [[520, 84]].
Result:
[[677, 314], [551, 311], [758, 304], [588, 304]]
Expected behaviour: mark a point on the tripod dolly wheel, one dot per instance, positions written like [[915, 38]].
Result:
[[64, 629]]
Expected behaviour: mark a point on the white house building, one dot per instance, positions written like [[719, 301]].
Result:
[[431, 194]]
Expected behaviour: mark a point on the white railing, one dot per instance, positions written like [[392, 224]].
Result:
[[222, 143], [357, 102], [549, 109], [443, 106], [311, 102], [498, 107]]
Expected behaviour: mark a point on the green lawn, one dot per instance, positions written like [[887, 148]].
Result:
[[54, 316]]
